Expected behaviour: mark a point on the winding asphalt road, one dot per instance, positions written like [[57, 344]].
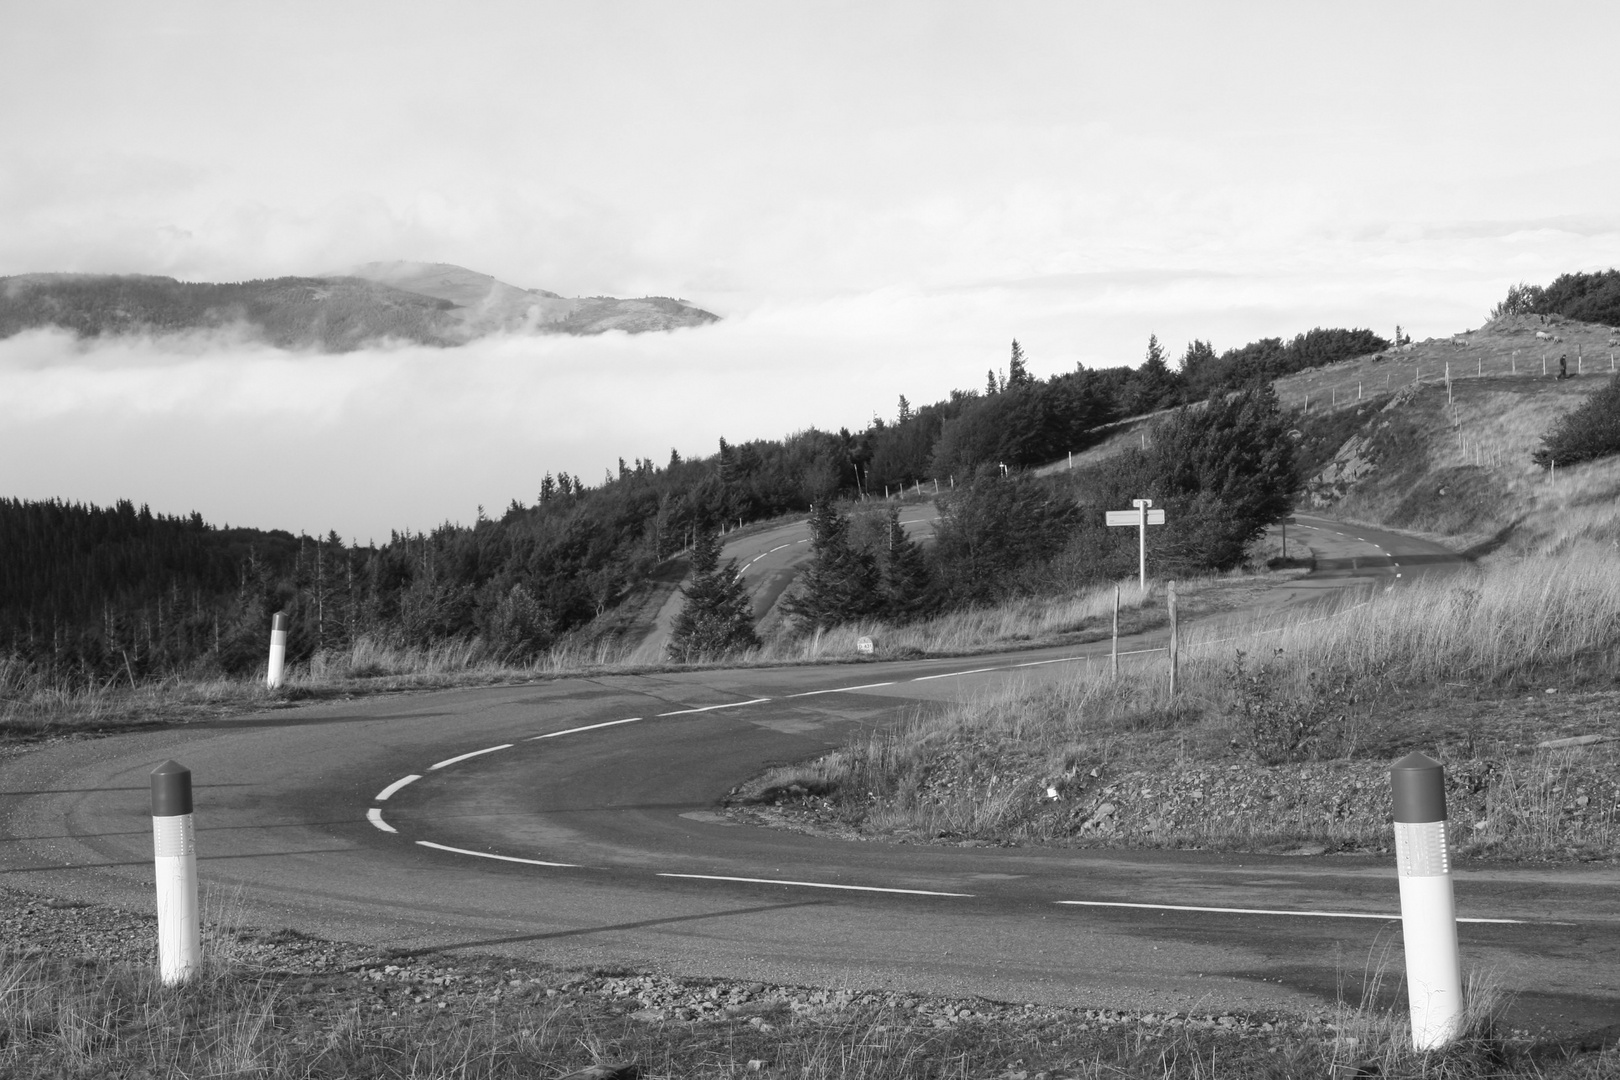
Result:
[[573, 821]]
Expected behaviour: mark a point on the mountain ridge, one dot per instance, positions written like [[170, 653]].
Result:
[[426, 303]]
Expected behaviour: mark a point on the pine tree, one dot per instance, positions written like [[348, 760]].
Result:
[[842, 582], [1017, 375], [904, 579], [717, 618]]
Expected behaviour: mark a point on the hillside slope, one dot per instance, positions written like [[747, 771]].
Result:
[[425, 303], [1454, 459]]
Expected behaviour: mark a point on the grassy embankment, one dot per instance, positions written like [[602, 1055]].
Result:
[[277, 1005], [1279, 736]]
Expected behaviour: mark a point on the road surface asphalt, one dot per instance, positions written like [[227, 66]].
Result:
[[572, 821]]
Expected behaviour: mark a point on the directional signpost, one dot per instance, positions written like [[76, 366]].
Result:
[[1141, 517]]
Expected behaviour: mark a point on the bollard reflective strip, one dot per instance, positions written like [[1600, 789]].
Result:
[[174, 836], [1421, 849]]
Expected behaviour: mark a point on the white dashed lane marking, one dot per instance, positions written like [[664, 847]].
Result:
[[382, 796], [711, 708], [813, 885], [473, 754], [374, 815], [489, 855], [587, 727], [842, 689]]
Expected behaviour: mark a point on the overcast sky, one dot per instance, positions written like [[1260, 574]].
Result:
[[876, 197]]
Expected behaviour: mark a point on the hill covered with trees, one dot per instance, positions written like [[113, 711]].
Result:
[[99, 593]]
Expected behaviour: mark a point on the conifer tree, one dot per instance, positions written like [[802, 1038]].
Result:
[[717, 617], [904, 579], [842, 582]]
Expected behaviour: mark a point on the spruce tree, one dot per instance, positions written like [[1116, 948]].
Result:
[[842, 582], [904, 580], [717, 618]]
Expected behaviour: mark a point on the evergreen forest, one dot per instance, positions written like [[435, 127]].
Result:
[[103, 593]]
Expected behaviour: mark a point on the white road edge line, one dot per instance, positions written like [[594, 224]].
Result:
[[812, 884], [587, 727], [488, 855], [711, 708], [382, 796], [464, 757], [841, 689], [374, 815], [1270, 911]]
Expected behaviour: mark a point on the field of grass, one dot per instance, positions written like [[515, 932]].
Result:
[[1279, 736], [280, 1005]]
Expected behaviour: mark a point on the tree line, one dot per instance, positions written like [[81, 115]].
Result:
[[115, 592]]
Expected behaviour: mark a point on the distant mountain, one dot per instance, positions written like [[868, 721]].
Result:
[[427, 303], [485, 305]]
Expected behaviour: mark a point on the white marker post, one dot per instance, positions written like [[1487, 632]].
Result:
[[278, 650], [174, 846], [1175, 635], [1428, 909], [1141, 517]]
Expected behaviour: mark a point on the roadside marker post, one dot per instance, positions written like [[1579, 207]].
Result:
[[864, 646], [1428, 908], [174, 847], [1141, 517], [1115, 654], [1175, 635], [278, 650]]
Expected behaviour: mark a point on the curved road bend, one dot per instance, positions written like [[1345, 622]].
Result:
[[291, 821]]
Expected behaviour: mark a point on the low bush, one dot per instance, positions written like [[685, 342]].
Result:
[[1592, 431]]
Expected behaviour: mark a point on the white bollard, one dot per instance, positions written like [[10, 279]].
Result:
[[174, 845], [1428, 909], [278, 650]]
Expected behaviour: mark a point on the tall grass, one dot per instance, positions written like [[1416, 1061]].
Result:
[[988, 768]]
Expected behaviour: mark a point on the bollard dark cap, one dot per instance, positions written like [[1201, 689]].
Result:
[[1418, 783], [171, 790], [279, 622]]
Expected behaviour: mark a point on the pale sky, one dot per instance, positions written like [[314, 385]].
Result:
[[876, 197]]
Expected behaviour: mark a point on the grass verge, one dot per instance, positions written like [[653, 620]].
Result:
[[278, 1004], [1278, 738]]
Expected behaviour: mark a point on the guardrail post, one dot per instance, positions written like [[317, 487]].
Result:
[[278, 650], [174, 846], [1428, 909]]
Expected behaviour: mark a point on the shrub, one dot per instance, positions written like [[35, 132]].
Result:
[[1278, 727], [1591, 431]]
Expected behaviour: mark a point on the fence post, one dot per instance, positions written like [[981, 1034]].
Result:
[[1115, 653], [1175, 635], [278, 650], [174, 847], [1428, 909]]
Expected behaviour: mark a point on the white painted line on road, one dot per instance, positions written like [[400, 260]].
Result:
[[842, 689], [948, 674], [1271, 911], [374, 815], [587, 727], [711, 708], [1059, 660], [464, 757], [382, 796], [775, 549], [488, 855], [812, 884]]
